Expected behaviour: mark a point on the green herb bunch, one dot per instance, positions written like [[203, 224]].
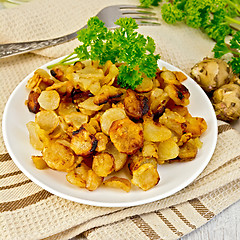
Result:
[[148, 3], [122, 45], [216, 18], [211, 16]]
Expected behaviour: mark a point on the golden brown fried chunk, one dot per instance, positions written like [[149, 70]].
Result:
[[146, 176], [134, 106], [157, 101], [75, 179], [169, 77], [39, 162], [109, 116], [181, 110], [180, 76], [58, 72], [167, 150], [116, 182], [76, 119], [106, 93], [93, 180], [150, 150], [137, 160], [102, 141], [155, 132], [39, 80], [145, 86], [196, 126], [178, 93], [49, 100], [187, 151], [47, 120], [126, 136], [58, 156], [32, 102], [173, 121], [37, 136], [119, 158], [83, 143], [103, 164]]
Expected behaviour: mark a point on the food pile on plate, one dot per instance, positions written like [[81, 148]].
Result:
[[88, 126]]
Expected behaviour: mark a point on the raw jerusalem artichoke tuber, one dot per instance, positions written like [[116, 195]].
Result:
[[226, 102], [216, 78], [211, 73]]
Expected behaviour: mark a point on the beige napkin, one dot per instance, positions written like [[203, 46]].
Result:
[[29, 212]]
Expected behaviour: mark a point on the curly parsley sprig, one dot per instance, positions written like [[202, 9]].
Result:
[[124, 45], [148, 3], [221, 48], [211, 16]]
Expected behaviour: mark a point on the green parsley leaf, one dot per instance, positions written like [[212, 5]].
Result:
[[235, 63], [171, 14], [129, 77], [235, 41], [148, 3], [221, 48]]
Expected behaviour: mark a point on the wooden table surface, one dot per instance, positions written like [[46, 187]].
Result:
[[224, 226]]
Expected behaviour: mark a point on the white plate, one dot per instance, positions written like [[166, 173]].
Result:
[[173, 177]]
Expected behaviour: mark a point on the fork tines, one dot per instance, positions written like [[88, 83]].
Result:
[[133, 6], [142, 15]]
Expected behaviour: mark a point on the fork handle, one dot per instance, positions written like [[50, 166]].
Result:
[[11, 49]]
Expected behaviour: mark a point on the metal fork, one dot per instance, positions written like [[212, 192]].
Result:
[[108, 15]]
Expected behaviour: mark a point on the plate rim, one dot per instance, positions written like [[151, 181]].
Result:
[[94, 202]]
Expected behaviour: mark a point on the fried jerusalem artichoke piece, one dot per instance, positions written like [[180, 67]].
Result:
[[155, 132], [106, 93], [58, 156], [134, 105], [32, 102], [39, 162], [78, 176], [196, 126], [187, 151], [117, 182], [173, 121], [167, 150], [40, 80], [136, 160], [119, 158], [102, 141], [126, 135], [84, 177], [103, 164], [211, 73], [226, 101], [83, 142], [178, 93], [143, 170], [157, 101], [146, 176], [109, 116]]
